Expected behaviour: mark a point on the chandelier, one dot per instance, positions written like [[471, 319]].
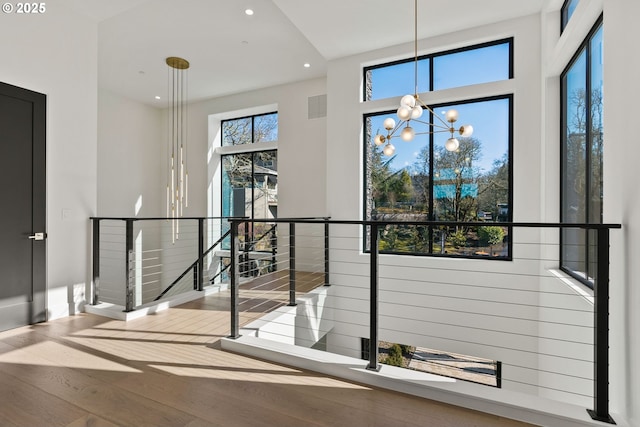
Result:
[[412, 108], [177, 177]]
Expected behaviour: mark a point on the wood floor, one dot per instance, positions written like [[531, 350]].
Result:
[[167, 369]]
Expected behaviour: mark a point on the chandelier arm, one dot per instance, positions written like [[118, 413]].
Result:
[[396, 128], [444, 122], [435, 125], [431, 132], [429, 109]]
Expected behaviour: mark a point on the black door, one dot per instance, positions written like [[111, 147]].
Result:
[[22, 207]]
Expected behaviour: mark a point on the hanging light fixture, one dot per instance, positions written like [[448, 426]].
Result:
[[412, 108], [178, 176]]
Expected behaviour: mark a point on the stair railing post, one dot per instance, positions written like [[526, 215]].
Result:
[[274, 246], [129, 266], [373, 299], [95, 284], [292, 264], [235, 280], [200, 278], [246, 248], [601, 332], [326, 252]]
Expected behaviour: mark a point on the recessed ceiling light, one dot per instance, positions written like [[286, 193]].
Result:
[[249, 12], [157, 97], [307, 65]]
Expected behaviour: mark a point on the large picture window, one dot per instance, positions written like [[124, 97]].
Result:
[[581, 156], [423, 181]]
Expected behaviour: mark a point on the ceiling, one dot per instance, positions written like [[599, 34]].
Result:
[[231, 52]]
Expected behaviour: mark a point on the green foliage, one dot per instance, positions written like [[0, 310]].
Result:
[[394, 357], [458, 239], [491, 235]]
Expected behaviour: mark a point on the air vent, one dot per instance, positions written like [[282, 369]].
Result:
[[317, 106]]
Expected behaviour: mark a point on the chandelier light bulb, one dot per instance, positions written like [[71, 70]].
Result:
[[404, 113], [389, 149], [416, 112], [408, 101], [452, 144], [379, 140], [389, 123], [407, 134], [466, 130], [451, 115]]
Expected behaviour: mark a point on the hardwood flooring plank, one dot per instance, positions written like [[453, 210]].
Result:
[[24, 405], [91, 421], [82, 390], [167, 369]]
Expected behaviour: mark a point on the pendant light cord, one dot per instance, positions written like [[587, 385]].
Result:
[[415, 46]]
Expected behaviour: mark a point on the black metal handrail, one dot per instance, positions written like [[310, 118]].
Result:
[[601, 288], [194, 267]]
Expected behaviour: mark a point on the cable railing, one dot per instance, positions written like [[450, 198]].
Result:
[[138, 261], [518, 325]]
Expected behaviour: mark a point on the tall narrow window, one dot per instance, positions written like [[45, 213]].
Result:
[[250, 177], [582, 143]]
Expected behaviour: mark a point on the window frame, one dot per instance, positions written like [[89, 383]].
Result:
[[431, 56], [253, 154], [253, 118], [585, 47], [431, 142], [251, 149]]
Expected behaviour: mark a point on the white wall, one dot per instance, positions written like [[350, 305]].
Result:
[[55, 53], [131, 146], [622, 199]]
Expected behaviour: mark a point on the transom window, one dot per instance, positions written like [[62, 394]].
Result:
[[250, 129], [444, 70]]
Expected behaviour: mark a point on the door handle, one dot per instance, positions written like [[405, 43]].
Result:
[[38, 236]]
